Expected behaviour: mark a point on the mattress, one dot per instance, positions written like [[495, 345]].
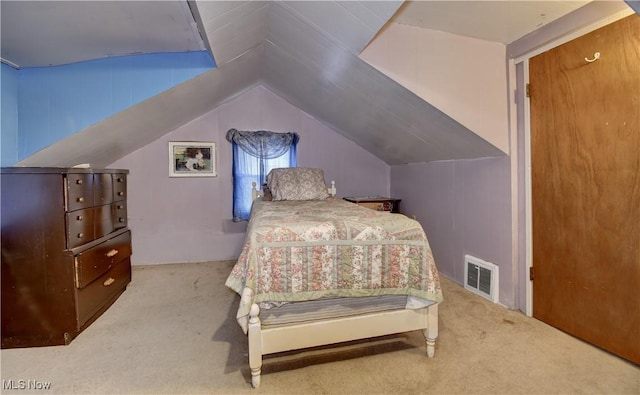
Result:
[[281, 314]]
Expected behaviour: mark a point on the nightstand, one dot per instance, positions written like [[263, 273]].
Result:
[[377, 203]]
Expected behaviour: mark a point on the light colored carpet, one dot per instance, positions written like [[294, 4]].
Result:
[[173, 332]]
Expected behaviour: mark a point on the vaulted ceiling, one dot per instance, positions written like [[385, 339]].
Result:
[[307, 53], [311, 60]]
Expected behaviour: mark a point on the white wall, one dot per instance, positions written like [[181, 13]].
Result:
[[176, 220], [464, 77]]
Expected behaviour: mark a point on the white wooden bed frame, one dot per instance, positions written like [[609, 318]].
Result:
[[270, 340]]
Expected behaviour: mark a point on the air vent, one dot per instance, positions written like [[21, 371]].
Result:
[[481, 277]]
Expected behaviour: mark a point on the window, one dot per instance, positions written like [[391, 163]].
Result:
[[254, 155]]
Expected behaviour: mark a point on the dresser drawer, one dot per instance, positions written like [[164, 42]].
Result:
[[378, 206], [94, 262], [80, 227], [78, 191], [104, 220], [103, 189], [119, 186], [110, 217], [100, 293], [119, 214]]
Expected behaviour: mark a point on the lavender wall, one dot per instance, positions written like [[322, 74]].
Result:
[[177, 220], [464, 206]]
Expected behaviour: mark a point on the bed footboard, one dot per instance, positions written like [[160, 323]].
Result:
[[263, 341]]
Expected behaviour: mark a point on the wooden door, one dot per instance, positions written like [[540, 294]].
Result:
[[585, 154]]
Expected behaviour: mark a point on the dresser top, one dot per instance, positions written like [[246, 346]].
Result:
[[57, 170]]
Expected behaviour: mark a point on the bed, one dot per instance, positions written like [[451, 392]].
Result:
[[318, 270]]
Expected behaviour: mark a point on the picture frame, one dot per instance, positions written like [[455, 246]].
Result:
[[192, 159]]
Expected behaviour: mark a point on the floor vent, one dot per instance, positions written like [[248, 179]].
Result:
[[481, 277]]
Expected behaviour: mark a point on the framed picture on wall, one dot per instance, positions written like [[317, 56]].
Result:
[[192, 159]]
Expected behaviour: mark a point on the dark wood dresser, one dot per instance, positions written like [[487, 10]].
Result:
[[65, 251]]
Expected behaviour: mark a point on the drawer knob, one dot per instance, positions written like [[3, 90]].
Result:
[[112, 253], [120, 193], [80, 199], [120, 219], [109, 281], [120, 207], [119, 179], [79, 217], [79, 182], [80, 235]]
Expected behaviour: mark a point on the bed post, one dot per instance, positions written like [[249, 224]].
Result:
[[431, 332], [255, 345], [332, 189]]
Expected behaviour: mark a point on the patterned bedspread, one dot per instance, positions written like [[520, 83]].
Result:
[[305, 250]]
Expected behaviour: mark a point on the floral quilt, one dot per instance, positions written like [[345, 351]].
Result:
[[306, 250]]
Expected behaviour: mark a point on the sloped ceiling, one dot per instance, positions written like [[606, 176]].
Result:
[[306, 52], [324, 77], [311, 60], [50, 33], [497, 21]]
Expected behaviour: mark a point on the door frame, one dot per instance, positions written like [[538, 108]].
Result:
[[522, 165]]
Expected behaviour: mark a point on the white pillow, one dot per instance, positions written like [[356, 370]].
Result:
[[297, 183]]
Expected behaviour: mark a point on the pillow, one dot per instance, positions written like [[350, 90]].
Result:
[[297, 183]]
